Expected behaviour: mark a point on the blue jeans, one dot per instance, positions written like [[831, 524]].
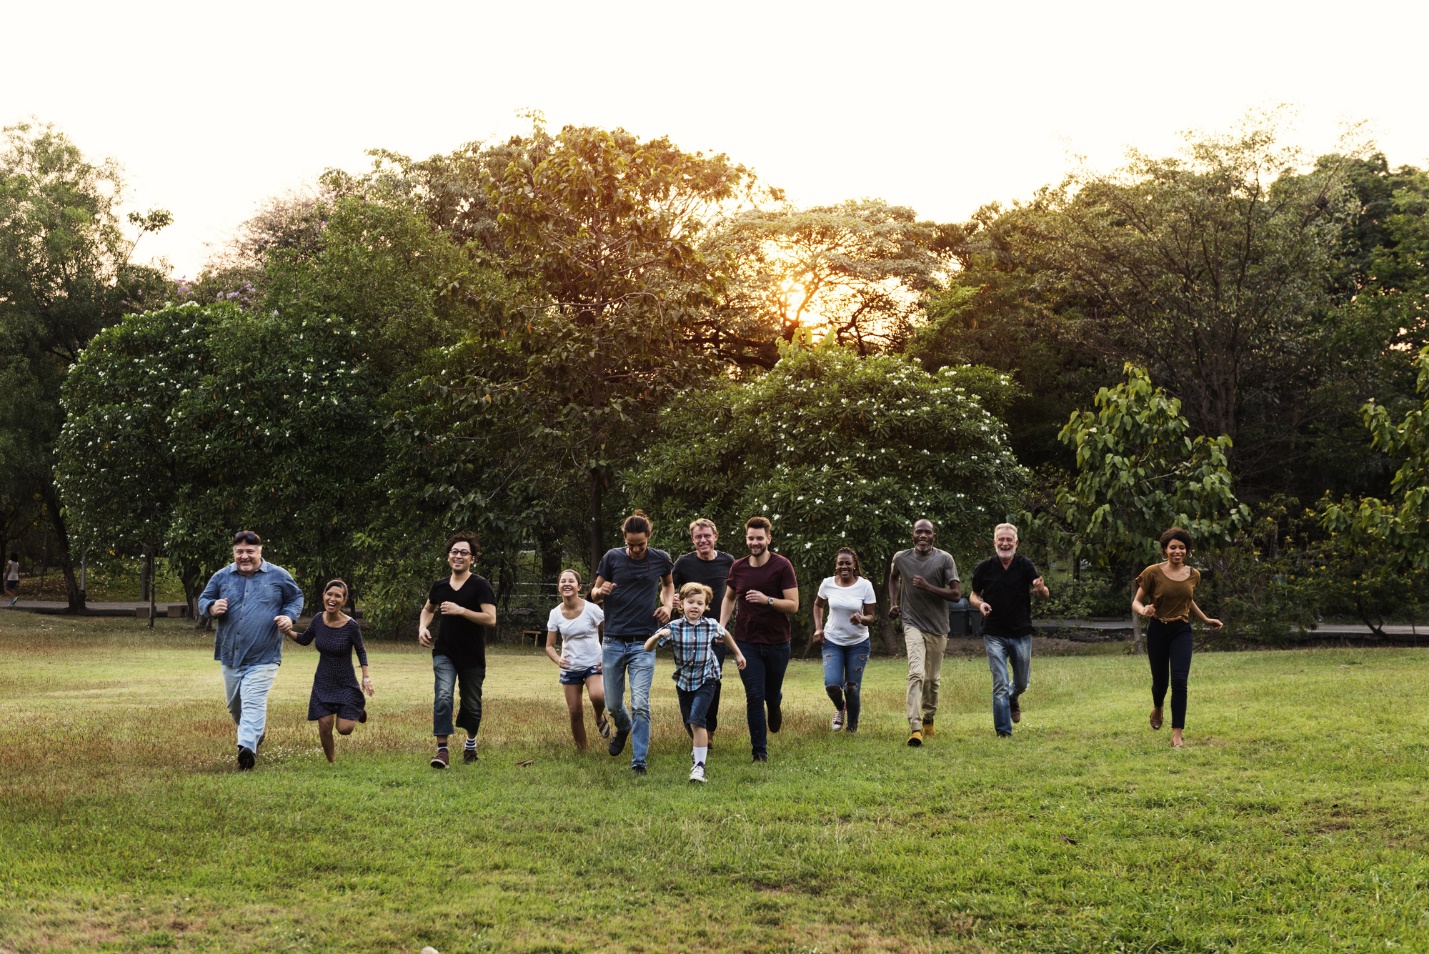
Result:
[[450, 676], [1004, 653], [843, 678], [618, 656], [246, 689], [763, 678]]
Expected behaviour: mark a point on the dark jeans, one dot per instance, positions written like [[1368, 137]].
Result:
[[712, 714], [695, 705], [448, 677], [763, 678], [1168, 647]]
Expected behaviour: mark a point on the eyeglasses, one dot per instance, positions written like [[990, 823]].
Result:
[[248, 537], [460, 552]]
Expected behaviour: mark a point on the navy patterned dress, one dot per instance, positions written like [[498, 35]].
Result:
[[335, 688]]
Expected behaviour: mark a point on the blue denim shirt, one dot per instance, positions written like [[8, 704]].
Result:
[[246, 633]]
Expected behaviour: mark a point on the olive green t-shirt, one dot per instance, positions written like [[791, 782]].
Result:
[[920, 609], [1172, 598]]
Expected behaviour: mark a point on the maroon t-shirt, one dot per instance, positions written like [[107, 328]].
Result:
[[760, 622]]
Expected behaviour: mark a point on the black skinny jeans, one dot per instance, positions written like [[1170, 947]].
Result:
[[1168, 647]]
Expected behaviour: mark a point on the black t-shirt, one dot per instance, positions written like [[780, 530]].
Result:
[[1010, 593], [630, 607], [458, 638], [713, 573]]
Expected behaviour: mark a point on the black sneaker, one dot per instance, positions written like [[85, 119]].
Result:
[[638, 770], [760, 757], [617, 744], [245, 758], [468, 754], [776, 715]]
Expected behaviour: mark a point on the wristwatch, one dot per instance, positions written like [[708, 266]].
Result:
[[770, 599]]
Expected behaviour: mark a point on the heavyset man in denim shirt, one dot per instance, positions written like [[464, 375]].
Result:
[[250, 598]]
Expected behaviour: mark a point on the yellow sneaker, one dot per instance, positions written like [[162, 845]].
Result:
[[915, 738], [928, 732]]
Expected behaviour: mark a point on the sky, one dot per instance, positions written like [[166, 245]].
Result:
[[212, 109]]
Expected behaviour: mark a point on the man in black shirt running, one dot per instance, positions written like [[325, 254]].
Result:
[[1002, 591]]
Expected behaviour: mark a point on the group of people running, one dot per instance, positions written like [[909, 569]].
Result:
[[707, 606]]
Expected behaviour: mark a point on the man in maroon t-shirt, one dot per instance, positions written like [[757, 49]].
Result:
[[766, 592]]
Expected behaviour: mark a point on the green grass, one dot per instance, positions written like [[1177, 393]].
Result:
[[1295, 819]]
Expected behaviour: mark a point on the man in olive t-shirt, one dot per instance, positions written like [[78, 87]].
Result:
[[926, 578]]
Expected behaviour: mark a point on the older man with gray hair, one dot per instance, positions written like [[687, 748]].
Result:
[[1002, 591]]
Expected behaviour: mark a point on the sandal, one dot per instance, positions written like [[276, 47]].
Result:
[[603, 726], [1155, 718]]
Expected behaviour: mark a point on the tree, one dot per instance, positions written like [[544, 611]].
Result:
[[836, 449], [66, 272], [1139, 471], [855, 271], [1213, 269], [1397, 529], [602, 231]]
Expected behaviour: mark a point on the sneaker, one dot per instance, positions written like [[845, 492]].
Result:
[[697, 773], [468, 755], [261, 739], [928, 730], [245, 758], [1004, 735], [638, 770], [838, 720], [603, 727], [1016, 706], [760, 757], [617, 744], [441, 760], [915, 738], [776, 715]]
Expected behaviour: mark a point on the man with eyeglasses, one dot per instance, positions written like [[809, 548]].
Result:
[[253, 600], [467, 605]]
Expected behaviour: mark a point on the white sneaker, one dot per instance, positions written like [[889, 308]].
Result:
[[697, 773], [838, 720]]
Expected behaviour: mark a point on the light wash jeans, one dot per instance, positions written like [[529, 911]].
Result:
[[617, 656], [247, 691], [1004, 653], [843, 674]]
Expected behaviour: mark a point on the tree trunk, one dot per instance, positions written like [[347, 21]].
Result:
[[597, 547], [153, 590], [57, 521]]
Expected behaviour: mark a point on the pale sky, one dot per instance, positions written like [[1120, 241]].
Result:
[[213, 108]]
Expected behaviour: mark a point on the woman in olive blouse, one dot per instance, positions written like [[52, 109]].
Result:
[[1165, 596]]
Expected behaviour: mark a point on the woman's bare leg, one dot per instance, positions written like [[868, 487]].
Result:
[[325, 735]]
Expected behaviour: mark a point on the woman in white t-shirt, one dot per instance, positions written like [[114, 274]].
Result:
[[12, 578], [851, 605], [578, 622]]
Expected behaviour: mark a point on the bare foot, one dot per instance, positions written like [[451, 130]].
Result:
[[1156, 718], [1176, 742]]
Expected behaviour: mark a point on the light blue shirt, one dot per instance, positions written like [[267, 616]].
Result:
[[247, 635]]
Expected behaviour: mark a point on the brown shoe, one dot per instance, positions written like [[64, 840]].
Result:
[[915, 738], [1016, 707], [468, 755], [441, 760], [1156, 718]]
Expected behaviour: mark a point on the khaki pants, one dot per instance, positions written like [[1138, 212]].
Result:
[[925, 674]]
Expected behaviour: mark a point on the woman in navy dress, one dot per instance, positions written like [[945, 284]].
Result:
[[336, 698]]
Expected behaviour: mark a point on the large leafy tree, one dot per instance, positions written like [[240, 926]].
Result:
[[1214, 269], [601, 232], [856, 272], [66, 272], [836, 450]]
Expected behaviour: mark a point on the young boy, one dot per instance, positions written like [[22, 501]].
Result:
[[696, 667]]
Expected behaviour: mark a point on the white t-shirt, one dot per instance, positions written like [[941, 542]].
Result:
[[580, 637], [12, 570], [843, 602]]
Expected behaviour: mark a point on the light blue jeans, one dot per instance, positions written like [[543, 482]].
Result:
[[843, 678], [618, 656], [247, 691], [1007, 653]]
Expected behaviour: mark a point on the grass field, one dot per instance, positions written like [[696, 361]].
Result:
[[1295, 819]]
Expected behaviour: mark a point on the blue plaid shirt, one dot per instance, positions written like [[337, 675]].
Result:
[[695, 660]]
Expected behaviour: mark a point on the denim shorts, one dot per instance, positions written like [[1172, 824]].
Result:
[[695, 703], [577, 677]]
